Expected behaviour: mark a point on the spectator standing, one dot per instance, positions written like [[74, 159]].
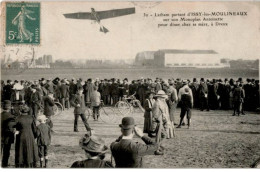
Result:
[[43, 140]]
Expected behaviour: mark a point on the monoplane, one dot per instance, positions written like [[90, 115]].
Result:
[[97, 16]]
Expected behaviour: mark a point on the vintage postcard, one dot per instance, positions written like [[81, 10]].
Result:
[[128, 84]]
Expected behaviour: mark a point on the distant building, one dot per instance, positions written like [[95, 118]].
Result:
[[180, 58], [145, 58], [47, 59]]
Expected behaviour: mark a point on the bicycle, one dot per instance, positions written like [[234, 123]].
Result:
[[104, 115], [57, 108], [127, 105]]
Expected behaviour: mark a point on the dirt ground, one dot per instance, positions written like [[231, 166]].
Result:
[[215, 140]]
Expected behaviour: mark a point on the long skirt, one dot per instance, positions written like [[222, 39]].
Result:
[[147, 123], [170, 130]]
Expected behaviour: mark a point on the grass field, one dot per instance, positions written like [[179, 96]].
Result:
[[130, 73], [215, 140]]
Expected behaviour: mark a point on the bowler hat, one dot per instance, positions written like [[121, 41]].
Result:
[[25, 109], [33, 86], [7, 104], [127, 123], [93, 144]]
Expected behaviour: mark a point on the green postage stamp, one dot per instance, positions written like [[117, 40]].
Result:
[[22, 23]]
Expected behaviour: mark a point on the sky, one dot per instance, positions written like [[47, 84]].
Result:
[[81, 39]]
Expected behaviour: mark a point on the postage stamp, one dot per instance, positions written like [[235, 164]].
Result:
[[22, 23]]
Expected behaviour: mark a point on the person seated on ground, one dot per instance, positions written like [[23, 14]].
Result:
[[128, 153], [95, 151]]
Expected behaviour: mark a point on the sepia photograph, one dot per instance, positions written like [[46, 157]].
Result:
[[130, 84]]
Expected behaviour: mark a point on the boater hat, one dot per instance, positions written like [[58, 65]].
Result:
[[93, 144], [161, 93], [127, 123], [41, 118]]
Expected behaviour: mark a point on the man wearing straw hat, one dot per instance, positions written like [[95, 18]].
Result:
[[95, 150], [128, 153]]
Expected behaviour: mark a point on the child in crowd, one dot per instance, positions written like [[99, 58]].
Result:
[[43, 139]]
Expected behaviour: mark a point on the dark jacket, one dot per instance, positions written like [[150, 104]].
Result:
[[105, 91], [35, 99], [7, 92], [49, 87], [125, 89], [238, 94], [7, 127], [114, 89], [43, 135], [92, 163], [186, 101], [128, 153], [78, 99], [203, 90], [64, 91], [48, 106]]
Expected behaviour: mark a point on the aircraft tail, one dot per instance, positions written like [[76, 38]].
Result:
[[103, 29]]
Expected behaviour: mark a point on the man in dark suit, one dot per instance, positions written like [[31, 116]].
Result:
[[105, 93], [79, 103], [203, 95], [35, 101], [194, 88], [125, 87], [7, 90], [238, 99], [114, 91], [126, 152], [48, 102], [64, 94], [7, 132], [49, 86], [186, 106]]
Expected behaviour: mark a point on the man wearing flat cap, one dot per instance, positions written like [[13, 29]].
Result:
[[128, 153], [7, 132], [95, 150]]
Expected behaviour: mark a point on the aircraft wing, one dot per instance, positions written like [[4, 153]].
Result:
[[80, 15], [115, 13]]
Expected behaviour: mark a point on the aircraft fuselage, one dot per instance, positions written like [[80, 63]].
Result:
[[95, 15]]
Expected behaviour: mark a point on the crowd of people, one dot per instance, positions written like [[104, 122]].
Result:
[[207, 94], [22, 102]]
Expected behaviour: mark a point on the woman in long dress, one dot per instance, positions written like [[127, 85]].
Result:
[[26, 153], [148, 104], [161, 113]]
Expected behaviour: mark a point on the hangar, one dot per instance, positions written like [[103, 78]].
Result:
[[180, 58]]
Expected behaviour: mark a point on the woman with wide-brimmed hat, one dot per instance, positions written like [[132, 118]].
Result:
[[161, 114], [26, 152], [95, 150]]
